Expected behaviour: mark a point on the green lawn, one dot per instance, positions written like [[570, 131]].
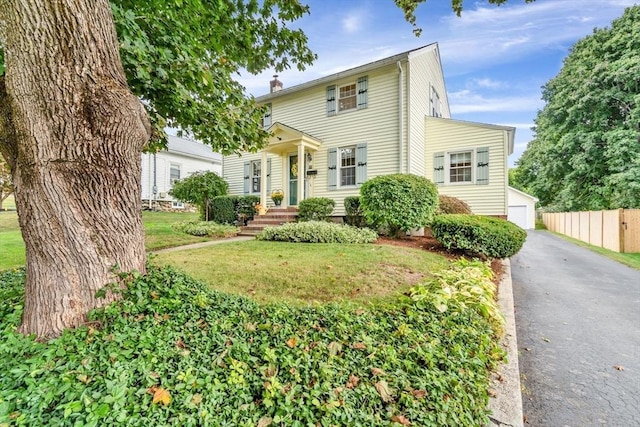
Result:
[[9, 204], [157, 226], [306, 273], [629, 259]]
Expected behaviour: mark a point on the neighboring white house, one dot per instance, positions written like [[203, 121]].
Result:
[[160, 170], [522, 209], [330, 135]]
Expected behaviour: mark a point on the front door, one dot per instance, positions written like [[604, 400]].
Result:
[[293, 180]]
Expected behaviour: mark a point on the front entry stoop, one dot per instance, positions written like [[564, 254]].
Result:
[[273, 218]]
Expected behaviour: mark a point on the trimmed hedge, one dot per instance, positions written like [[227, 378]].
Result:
[[398, 202], [353, 210], [229, 209], [222, 210], [452, 205], [479, 235], [318, 232], [316, 209]]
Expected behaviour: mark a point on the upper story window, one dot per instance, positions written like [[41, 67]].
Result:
[[174, 173], [266, 118], [347, 100], [346, 97], [435, 103]]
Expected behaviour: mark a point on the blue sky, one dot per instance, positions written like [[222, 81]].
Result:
[[495, 59]]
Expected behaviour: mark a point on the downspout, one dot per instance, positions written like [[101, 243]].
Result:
[[400, 117], [155, 183]]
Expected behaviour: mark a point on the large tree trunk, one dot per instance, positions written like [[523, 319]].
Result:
[[73, 134]]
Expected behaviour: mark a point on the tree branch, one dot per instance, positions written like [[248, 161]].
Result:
[[8, 139]]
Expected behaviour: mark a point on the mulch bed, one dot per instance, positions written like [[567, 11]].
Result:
[[429, 243]]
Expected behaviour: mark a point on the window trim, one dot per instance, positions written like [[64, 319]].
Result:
[[177, 204], [447, 178], [354, 96], [353, 147], [171, 167], [268, 114], [435, 102], [252, 176]]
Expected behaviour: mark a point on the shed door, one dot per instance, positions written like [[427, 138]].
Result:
[[518, 215]]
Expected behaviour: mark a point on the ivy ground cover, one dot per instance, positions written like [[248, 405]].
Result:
[[173, 352]]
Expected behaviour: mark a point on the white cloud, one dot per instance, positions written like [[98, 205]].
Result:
[[488, 83], [466, 101], [489, 35], [352, 23]]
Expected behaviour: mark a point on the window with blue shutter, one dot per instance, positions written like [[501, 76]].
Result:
[[361, 164], [482, 169], [331, 100], [362, 92], [332, 171], [438, 168], [247, 177]]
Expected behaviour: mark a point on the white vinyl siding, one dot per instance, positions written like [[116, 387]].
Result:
[[425, 75], [163, 162], [488, 144]]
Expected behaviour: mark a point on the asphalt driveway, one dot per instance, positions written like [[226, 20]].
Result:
[[578, 326]]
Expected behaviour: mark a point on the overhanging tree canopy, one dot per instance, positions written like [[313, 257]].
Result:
[[586, 150], [78, 104]]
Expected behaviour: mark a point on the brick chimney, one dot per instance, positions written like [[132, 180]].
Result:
[[275, 84]]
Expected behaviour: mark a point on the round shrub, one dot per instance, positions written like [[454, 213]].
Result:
[[315, 209], [452, 205], [318, 232], [399, 202], [479, 235]]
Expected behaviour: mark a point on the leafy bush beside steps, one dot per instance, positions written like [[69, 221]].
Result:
[[318, 232]]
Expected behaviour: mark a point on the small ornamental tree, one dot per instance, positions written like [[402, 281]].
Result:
[[198, 189], [399, 202]]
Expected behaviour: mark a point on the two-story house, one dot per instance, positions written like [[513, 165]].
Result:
[[330, 135]]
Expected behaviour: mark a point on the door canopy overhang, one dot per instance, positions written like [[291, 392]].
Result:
[[284, 139]]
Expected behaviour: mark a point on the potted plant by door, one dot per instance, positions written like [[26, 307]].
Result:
[[277, 196]]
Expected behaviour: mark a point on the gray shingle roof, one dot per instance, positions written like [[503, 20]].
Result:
[[192, 148]]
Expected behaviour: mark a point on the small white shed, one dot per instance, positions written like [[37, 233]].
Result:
[[522, 209]]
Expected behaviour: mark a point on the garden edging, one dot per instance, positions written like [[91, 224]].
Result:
[[506, 406]]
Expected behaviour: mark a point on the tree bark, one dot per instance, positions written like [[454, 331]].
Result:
[[73, 133]]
